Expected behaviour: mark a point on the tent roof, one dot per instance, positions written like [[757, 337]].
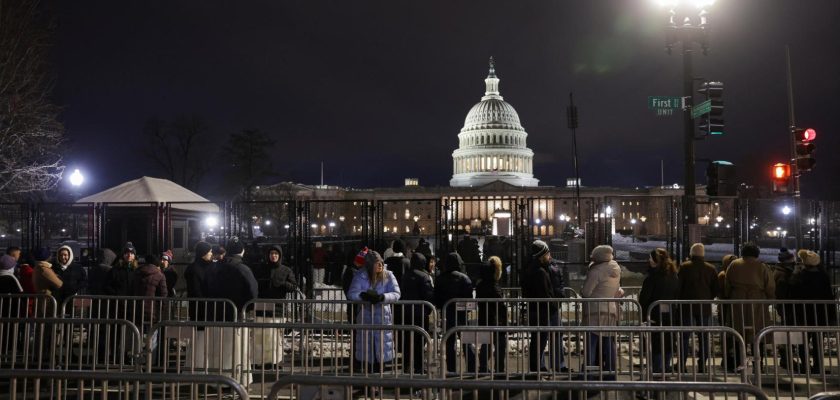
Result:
[[148, 190]]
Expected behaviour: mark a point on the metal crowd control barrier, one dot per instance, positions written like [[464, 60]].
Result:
[[64, 343], [233, 349], [746, 316], [596, 353], [145, 312], [27, 305], [802, 361], [59, 385], [308, 386], [569, 312]]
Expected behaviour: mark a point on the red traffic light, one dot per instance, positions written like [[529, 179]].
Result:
[[781, 171], [804, 135]]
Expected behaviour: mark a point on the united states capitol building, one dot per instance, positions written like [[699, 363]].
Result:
[[492, 183]]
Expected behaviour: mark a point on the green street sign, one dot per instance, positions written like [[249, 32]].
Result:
[[702, 108], [664, 102]]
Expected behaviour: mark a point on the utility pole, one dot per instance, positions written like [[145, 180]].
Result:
[[572, 121]]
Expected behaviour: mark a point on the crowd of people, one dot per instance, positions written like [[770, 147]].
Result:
[[373, 281]]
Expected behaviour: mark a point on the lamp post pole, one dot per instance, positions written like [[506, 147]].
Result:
[[688, 34]]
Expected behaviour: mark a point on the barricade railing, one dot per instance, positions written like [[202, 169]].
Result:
[[541, 312], [27, 305], [328, 293], [577, 353], [511, 292], [145, 312], [403, 312], [309, 386], [795, 361], [60, 385], [252, 352], [747, 316], [65, 343]]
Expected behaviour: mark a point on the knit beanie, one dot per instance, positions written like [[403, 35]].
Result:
[[234, 246], [602, 253], [809, 258], [129, 248], [7, 262], [166, 255], [538, 248], [359, 260], [371, 258], [41, 254], [785, 255], [697, 250], [201, 248]]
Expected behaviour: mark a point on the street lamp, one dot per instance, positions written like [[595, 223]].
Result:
[[786, 210], [76, 178], [687, 33]]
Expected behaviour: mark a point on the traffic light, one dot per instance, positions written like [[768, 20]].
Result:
[[780, 174], [721, 179], [804, 141], [711, 123]]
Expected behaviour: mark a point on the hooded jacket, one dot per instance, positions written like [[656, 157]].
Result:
[[417, 285], [98, 278], [490, 314], [539, 285], [275, 280], [72, 274], [453, 283]]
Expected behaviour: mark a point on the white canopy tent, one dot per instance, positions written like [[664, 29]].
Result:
[[153, 190]]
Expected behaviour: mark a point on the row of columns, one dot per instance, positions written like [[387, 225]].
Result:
[[507, 163], [487, 139]]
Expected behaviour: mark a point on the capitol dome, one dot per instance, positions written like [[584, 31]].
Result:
[[492, 143]]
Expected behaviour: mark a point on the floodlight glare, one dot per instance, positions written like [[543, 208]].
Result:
[[76, 178], [211, 222]]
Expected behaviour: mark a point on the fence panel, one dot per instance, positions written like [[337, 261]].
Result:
[[63, 343], [638, 224], [308, 386], [61, 385], [259, 353], [796, 361]]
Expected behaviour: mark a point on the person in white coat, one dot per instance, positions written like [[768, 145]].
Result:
[[603, 281]]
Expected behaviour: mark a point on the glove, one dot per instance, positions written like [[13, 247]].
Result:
[[365, 296], [378, 298]]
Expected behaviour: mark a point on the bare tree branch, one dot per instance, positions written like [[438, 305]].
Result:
[[30, 133]]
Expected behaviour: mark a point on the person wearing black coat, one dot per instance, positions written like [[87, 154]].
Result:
[[232, 280], [662, 283], [121, 276], [417, 284], [540, 285], [281, 279], [453, 283], [492, 314], [812, 283], [195, 276], [98, 276]]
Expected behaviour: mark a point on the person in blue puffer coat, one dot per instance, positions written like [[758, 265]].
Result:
[[377, 286]]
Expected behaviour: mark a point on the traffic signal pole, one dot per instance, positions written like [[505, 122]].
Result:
[[689, 208], [797, 201]]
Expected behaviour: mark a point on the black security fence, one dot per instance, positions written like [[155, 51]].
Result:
[[319, 238]]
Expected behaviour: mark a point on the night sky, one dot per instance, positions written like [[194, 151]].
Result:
[[378, 90]]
